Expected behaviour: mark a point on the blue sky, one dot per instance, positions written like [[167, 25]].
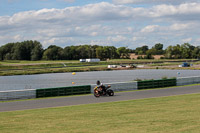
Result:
[[9, 7], [131, 23]]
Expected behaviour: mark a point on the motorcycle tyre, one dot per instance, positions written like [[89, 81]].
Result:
[[110, 92], [97, 95]]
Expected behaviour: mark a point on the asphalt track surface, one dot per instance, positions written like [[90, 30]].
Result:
[[90, 99]]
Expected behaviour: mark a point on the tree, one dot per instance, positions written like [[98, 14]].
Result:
[[196, 53], [186, 50], [53, 53], [37, 51], [6, 51], [141, 50], [176, 51], [151, 51], [113, 52], [158, 49], [169, 52], [20, 52], [158, 46], [123, 52], [100, 52]]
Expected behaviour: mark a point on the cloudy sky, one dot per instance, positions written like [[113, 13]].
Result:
[[130, 23]]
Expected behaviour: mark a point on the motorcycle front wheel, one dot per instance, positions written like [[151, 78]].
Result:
[[96, 94]]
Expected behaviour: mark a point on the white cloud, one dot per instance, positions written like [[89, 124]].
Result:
[[138, 38], [118, 38], [70, 1], [152, 1], [186, 40], [103, 23], [181, 12], [179, 26], [150, 28]]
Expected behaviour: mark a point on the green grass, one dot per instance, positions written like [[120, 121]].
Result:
[[39, 62], [14, 67], [167, 114]]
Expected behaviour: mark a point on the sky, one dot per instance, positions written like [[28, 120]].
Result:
[[119, 23]]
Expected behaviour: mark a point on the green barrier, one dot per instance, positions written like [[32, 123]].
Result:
[[156, 83], [63, 91]]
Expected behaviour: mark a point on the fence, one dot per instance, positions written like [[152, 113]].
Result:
[[17, 94], [188, 80], [63, 91]]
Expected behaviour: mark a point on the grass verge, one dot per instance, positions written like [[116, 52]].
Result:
[[165, 114], [15, 67]]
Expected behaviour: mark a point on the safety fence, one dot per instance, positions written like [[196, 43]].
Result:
[[17, 94], [63, 91], [87, 89], [188, 80]]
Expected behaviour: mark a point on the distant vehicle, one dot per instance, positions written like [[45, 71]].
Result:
[[92, 60], [185, 64], [112, 66], [89, 60], [82, 60]]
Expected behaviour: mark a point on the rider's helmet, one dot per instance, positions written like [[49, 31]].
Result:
[[98, 82]]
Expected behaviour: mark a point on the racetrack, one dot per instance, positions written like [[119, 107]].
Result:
[[89, 99]]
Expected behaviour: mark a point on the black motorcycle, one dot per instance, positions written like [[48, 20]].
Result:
[[100, 91]]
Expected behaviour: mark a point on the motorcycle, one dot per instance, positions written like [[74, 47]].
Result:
[[99, 91]]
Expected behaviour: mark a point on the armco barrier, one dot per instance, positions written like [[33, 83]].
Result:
[[62, 91], [17, 94], [156, 83], [188, 80], [120, 86]]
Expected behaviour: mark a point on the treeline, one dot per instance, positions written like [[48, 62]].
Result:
[[183, 51], [33, 50], [27, 50]]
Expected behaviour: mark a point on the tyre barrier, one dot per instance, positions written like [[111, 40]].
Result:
[[147, 84], [63, 91]]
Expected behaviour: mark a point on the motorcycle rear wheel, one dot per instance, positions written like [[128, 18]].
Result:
[[110, 92]]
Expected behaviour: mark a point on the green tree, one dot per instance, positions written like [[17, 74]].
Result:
[[141, 50], [176, 51], [37, 51], [19, 52], [123, 52], [196, 53], [169, 52], [6, 51], [186, 50], [53, 52], [100, 52], [158, 49]]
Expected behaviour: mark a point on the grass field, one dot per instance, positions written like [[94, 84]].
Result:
[[14, 67], [167, 114]]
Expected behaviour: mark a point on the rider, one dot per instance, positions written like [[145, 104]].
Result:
[[100, 85]]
